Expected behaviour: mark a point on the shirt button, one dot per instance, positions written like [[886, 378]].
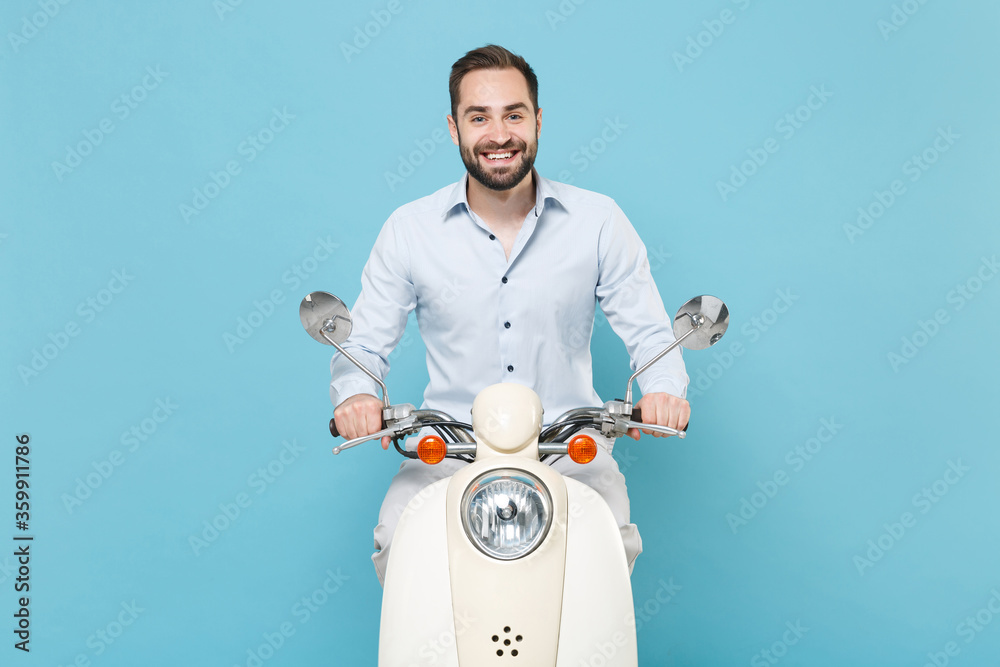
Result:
[[506, 325], [504, 280], [492, 238], [510, 369]]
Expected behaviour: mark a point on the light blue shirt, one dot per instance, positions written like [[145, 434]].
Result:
[[485, 318]]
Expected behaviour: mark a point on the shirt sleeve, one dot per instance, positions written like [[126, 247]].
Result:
[[379, 316], [630, 300]]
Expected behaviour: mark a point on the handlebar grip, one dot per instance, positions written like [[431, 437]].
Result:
[[637, 417], [333, 427]]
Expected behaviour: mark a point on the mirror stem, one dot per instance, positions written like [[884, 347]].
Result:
[[385, 392], [628, 392]]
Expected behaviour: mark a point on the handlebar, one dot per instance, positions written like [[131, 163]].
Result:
[[418, 419]]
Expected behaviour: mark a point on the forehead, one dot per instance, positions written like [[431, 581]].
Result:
[[494, 88]]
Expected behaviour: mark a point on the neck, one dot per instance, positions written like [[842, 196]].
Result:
[[503, 205]]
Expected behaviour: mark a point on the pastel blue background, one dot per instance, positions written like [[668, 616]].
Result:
[[853, 300]]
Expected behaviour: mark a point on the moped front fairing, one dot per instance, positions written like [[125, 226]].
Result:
[[448, 603]]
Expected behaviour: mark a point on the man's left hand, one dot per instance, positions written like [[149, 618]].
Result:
[[664, 410]]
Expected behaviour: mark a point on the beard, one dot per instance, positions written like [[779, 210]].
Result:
[[502, 178]]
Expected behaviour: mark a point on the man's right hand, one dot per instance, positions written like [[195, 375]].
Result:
[[360, 415]]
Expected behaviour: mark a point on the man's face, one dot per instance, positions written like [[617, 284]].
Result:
[[496, 131]]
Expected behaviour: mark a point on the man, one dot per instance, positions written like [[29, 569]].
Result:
[[503, 270]]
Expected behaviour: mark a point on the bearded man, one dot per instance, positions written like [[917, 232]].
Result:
[[504, 269]]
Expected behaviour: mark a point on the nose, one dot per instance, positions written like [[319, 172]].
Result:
[[500, 133]]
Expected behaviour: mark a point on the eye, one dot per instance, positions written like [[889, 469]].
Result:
[[476, 119], [515, 116]]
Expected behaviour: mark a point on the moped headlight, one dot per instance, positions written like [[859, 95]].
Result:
[[506, 513]]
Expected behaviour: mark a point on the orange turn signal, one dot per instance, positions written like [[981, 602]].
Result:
[[582, 449], [431, 449]]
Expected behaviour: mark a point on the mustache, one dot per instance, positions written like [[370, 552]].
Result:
[[511, 144]]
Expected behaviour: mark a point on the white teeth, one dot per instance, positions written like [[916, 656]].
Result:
[[498, 156]]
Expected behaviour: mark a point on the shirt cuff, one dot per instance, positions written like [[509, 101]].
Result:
[[665, 385], [343, 388]]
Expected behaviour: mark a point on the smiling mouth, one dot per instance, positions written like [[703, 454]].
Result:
[[500, 157]]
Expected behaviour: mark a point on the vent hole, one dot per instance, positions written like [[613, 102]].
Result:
[[506, 642], [495, 638], [514, 653], [518, 638], [499, 652], [507, 629]]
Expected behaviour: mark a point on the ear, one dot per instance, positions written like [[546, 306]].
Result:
[[538, 122], [452, 129]]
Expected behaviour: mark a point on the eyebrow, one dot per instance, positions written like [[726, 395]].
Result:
[[509, 107]]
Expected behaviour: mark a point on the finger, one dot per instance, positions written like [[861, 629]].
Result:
[[646, 414], [660, 415], [633, 433], [385, 442], [672, 415], [685, 416], [342, 417], [373, 421], [648, 410], [349, 429], [667, 416], [358, 424]]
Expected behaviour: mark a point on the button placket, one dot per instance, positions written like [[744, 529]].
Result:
[[507, 340]]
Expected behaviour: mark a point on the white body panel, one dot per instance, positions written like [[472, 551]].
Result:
[[598, 618], [418, 625]]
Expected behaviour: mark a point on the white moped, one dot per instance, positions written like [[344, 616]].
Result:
[[508, 562]]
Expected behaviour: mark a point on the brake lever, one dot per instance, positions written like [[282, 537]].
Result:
[[391, 432], [653, 427]]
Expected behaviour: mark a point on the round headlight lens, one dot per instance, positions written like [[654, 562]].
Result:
[[506, 513]]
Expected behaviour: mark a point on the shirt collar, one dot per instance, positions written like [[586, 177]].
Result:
[[543, 192]]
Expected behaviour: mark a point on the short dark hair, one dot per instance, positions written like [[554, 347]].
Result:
[[490, 56]]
